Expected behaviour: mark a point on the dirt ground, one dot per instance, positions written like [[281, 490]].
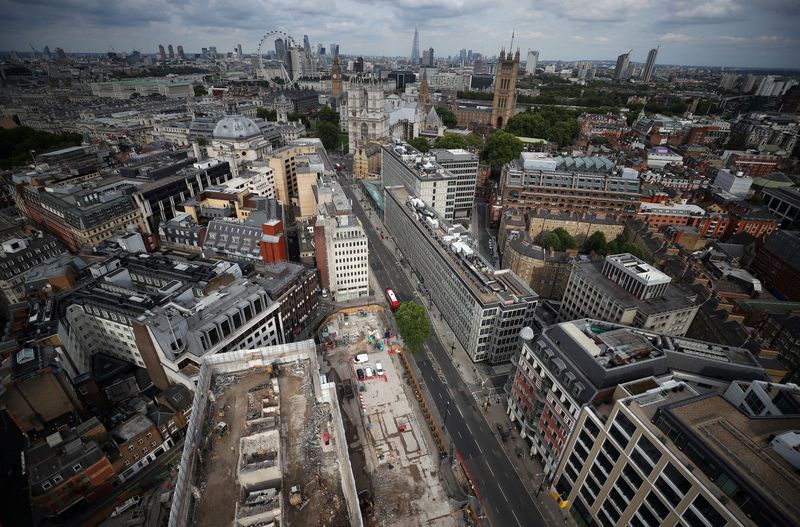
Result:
[[306, 462], [218, 486]]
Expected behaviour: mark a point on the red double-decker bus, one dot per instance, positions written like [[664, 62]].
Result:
[[393, 302]]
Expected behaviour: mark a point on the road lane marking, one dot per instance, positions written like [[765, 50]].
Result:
[[503, 493], [515, 517], [470, 429], [490, 470], [459, 434], [459, 412]]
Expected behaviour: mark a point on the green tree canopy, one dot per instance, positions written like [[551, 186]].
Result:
[[596, 242], [328, 134], [475, 140], [447, 116], [267, 115], [16, 144], [736, 141], [500, 148], [297, 116], [620, 245], [415, 328], [557, 125], [420, 143], [567, 240], [328, 114], [452, 141], [199, 91], [529, 124], [551, 241]]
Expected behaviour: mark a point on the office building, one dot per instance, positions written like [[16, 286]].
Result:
[[571, 184], [582, 362], [182, 233], [625, 290], [164, 315], [444, 179], [180, 53], [296, 289], [20, 252], [342, 250], [777, 263], [161, 53], [505, 89], [650, 65], [485, 308], [784, 203], [621, 68], [733, 185], [546, 271], [464, 165], [81, 214], [171, 52], [532, 62], [124, 88], [36, 388], [70, 468], [670, 451], [427, 58], [258, 239]]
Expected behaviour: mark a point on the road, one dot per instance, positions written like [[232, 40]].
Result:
[[480, 220], [502, 494]]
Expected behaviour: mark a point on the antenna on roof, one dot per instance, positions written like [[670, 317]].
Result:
[[512, 40]]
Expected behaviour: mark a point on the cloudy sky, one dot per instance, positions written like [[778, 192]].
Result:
[[746, 33]]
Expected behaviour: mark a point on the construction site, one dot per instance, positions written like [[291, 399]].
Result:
[[398, 465], [266, 445]]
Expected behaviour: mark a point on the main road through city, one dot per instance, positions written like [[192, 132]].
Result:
[[500, 490]]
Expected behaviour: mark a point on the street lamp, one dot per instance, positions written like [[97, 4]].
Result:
[[446, 413], [541, 483]]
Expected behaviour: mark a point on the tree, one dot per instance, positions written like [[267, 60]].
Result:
[[475, 140], [551, 241], [267, 115], [201, 141], [501, 147], [420, 143], [567, 240], [620, 245], [447, 116], [199, 91], [412, 320], [297, 116], [529, 124], [327, 114], [596, 243], [452, 141], [16, 144], [736, 141], [328, 134]]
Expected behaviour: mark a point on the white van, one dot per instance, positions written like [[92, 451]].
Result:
[[361, 358]]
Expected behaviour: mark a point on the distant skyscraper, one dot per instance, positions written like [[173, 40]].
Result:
[[180, 53], [427, 58], [415, 48], [650, 66], [161, 53], [307, 46], [462, 56], [280, 48], [532, 62], [334, 50], [621, 70], [171, 51], [46, 52], [239, 50], [358, 65]]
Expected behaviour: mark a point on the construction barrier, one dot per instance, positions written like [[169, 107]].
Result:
[[437, 433]]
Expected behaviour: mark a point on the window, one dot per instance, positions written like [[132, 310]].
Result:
[[632, 475], [677, 479], [46, 485], [667, 490], [141, 441], [57, 478], [136, 456], [708, 511], [77, 467], [127, 462], [646, 455], [754, 402], [153, 444], [657, 505]]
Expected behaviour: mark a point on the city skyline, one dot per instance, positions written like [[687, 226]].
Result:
[[726, 33]]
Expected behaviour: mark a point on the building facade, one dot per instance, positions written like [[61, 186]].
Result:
[[505, 89], [485, 308], [625, 290]]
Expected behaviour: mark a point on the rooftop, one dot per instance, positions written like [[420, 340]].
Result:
[[424, 166], [484, 281]]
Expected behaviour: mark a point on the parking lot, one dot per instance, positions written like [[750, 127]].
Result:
[[400, 468]]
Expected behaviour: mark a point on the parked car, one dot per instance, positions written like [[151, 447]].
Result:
[[361, 358], [360, 374], [379, 369], [368, 372]]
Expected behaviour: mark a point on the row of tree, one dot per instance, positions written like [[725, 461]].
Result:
[[16, 144], [560, 240]]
